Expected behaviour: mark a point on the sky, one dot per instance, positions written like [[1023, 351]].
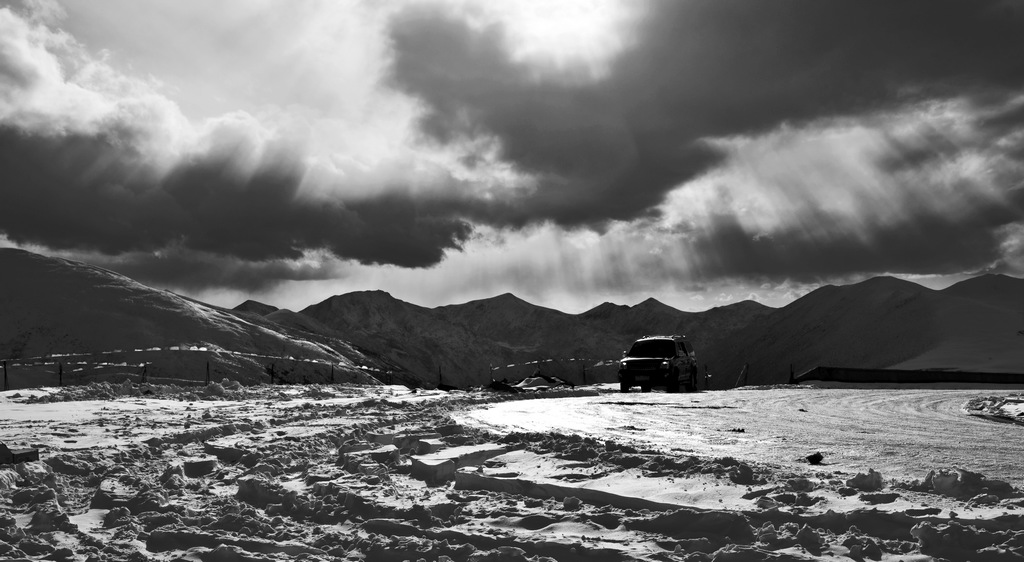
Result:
[[701, 152]]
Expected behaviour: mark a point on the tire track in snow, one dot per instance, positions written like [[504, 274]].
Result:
[[903, 433]]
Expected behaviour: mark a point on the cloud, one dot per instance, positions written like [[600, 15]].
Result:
[[929, 190], [246, 199], [192, 271], [95, 161], [576, 138], [611, 147], [928, 244], [716, 139]]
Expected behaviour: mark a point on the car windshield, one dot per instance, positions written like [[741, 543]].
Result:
[[653, 348]]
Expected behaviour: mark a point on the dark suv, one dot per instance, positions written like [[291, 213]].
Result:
[[667, 361]]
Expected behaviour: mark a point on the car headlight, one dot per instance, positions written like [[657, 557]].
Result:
[[622, 365], [664, 364]]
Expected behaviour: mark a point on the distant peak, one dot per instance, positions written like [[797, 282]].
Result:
[[889, 282], [369, 294], [745, 304], [654, 305], [506, 296], [256, 307], [652, 302], [604, 309], [988, 283], [362, 299], [376, 292], [502, 298]]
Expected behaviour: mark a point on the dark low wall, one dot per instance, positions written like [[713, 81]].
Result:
[[845, 374]]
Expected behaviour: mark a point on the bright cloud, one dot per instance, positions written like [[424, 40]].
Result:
[[569, 153]]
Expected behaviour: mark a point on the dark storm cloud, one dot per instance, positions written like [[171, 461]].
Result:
[[949, 198], [190, 270], [928, 243], [261, 215], [80, 192], [611, 147], [601, 146], [1006, 119], [110, 166], [582, 140]]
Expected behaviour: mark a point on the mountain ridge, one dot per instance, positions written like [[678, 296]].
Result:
[[463, 344], [880, 322], [54, 305]]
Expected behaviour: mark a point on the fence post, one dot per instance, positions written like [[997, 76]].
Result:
[[743, 374], [60, 374], [207, 372], [143, 381], [7, 386]]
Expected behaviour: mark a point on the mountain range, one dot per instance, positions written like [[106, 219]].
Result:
[[49, 304]]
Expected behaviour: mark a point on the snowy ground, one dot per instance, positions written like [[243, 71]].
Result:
[[900, 433], [381, 473]]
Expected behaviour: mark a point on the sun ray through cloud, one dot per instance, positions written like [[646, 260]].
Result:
[[588, 148]]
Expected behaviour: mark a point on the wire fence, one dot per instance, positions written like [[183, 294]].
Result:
[[575, 370], [194, 365], [187, 365], [580, 371]]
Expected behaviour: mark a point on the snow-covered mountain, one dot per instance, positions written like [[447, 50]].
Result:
[[55, 307], [460, 344], [421, 340], [884, 323]]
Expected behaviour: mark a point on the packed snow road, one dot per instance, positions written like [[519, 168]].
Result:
[[901, 433]]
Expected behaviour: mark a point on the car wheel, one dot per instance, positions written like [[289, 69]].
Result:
[[691, 385], [673, 383], [645, 388], [624, 385]]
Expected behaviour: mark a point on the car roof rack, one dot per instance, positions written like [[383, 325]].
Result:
[[675, 337]]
